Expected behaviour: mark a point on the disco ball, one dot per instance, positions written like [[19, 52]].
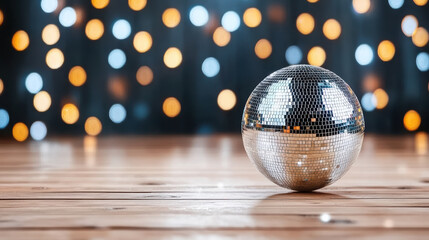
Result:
[[303, 127]]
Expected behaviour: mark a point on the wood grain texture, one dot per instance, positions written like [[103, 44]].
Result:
[[203, 187]]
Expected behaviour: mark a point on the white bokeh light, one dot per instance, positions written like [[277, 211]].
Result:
[[293, 55], [230, 21], [199, 16], [117, 58], [117, 113], [409, 24], [364, 54], [34, 83], [210, 67], [121, 29], [49, 6], [38, 130], [67, 17], [422, 61], [325, 217], [369, 102], [395, 4]]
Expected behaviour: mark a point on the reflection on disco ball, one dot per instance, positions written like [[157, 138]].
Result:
[[303, 127]]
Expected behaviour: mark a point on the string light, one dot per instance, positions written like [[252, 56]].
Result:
[[100, 4], [137, 5], [361, 6], [20, 40], [420, 37], [142, 41], [144, 75], [263, 49], [94, 29], [252, 17], [412, 120], [172, 57], [171, 107], [50, 34], [20, 132], [54, 58], [221, 37], [70, 113], [77, 76], [42, 101], [199, 16], [316, 56], [93, 126], [305, 23], [386, 50], [171, 17], [332, 29], [226, 99]]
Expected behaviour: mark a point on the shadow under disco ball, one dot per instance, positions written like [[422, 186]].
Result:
[[303, 127]]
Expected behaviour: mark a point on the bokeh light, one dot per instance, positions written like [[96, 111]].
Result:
[[199, 16], [94, 29], [144, 75], [142, 41], [396, 4], [381, 97], [171, 17], [141, 110], [312, 1], [70, 113], [332, 29], [1, 86], [371, 82], [230, 21], [422, 61], [420, 37], [364, 54], [171, 107], [67, 17], [117, 58], [118, 87], [361, 6], [38, 130], [263, 48], [117, 113], [386, 50], [210, 67], [54, 58], [316, 56], [369, 102], [276, 13], [50, 34], [33, 82], [20, 132], [221, 37], [252, 17], [226, 99], [172, 57], [121, 29], [49, 6], [4, 118], [93, 126], [420, 2], [412, 120], [1, 17], [305, 23], [42, 101], [20, 40], [137, 5], [293, 54], [409, 24], [100, 4], [77, 76]]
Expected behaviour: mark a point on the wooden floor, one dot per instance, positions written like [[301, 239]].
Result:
[[205, 188]]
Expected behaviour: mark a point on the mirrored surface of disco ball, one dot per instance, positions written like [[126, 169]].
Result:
[[303, 127]]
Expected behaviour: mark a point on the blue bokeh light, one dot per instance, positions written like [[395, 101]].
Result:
[[38, 130], [230, 21], [67, 17], [117, 113], [369, 102], [49, 6], [4, 118], [364, 54], [395, 4], [141, 111], [293, 55], [117, 58], [121, 29], [34, 83], [210, 67], [422, 61], [199, 16]]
